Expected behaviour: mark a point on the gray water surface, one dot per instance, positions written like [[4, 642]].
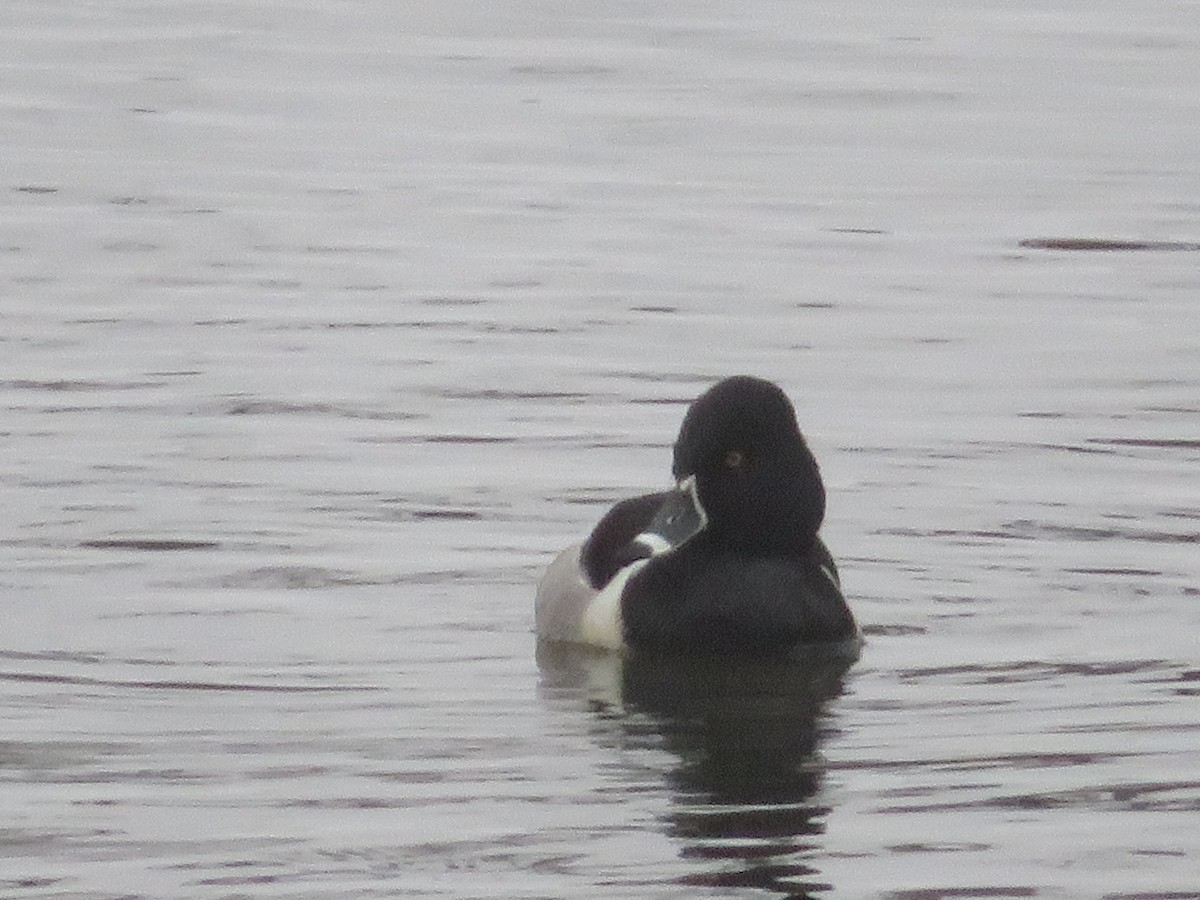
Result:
[[324, 326]]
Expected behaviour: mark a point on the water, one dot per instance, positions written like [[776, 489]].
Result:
[[324, 326]]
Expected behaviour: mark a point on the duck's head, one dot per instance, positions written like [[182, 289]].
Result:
[[747, 481]]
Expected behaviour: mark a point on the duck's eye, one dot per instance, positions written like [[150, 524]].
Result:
[[735, 459]]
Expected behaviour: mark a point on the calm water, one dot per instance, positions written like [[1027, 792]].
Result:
[[324, 326]]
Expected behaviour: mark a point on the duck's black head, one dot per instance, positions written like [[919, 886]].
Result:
[[756, 479]]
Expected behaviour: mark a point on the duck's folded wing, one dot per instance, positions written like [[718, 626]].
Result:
[[612, 546]]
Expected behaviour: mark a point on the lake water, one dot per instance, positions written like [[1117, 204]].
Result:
[[323, 326]]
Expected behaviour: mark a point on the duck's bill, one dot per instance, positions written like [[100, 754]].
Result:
[[680, 519]]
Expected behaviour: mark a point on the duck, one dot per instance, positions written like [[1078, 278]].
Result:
[[728, 561]]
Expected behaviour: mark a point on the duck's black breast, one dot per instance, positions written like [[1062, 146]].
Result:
[[697, 600], [610, 547]]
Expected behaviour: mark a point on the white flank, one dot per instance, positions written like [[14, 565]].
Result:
[[601, 625]]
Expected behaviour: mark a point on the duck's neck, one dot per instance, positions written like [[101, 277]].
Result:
[[780, 517]]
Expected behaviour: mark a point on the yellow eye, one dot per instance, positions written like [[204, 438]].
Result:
[[734, 459]]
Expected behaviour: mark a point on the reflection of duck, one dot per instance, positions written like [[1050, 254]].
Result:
[[745, 734], [730, 561]]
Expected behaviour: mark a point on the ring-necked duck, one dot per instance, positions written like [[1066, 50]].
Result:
[[730, 560]]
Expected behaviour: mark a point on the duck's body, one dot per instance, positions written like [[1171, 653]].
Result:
[[730, 561]]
